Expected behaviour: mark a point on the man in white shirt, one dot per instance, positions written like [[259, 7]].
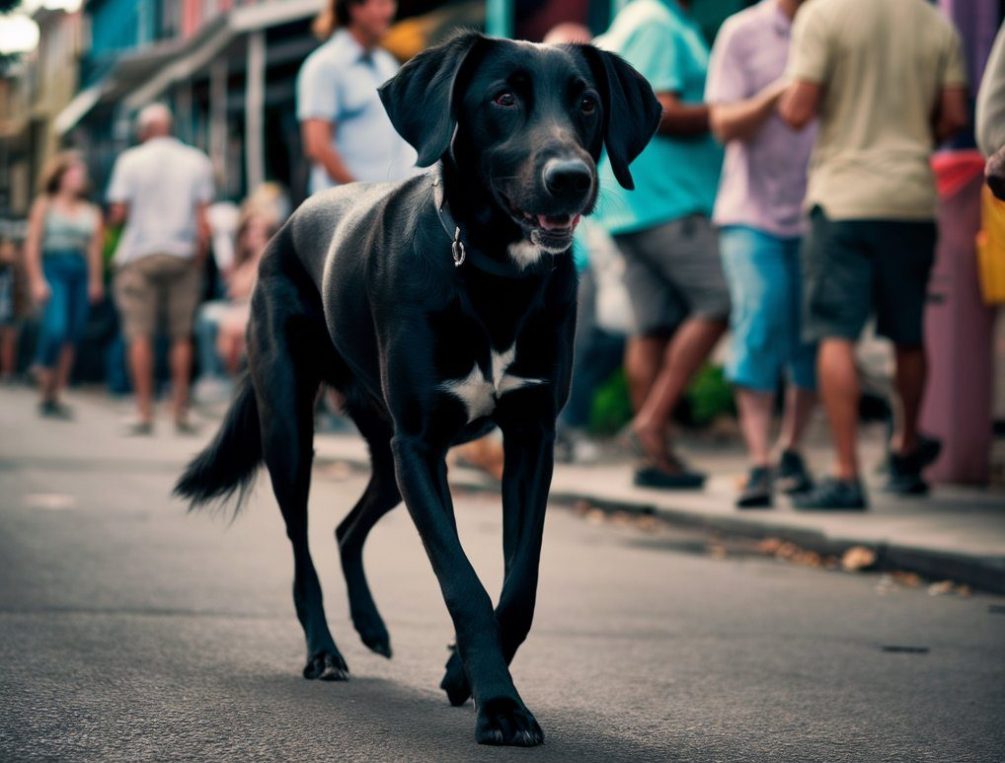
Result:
[[347, 134], [161, 190]]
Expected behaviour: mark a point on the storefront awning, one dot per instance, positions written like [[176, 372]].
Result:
[[214, 38], [76, 109], [128, 72]]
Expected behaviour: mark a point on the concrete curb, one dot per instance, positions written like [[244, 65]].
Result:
[[986, 573], [980, 572]]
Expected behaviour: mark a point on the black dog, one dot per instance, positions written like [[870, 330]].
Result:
[[439, 307]]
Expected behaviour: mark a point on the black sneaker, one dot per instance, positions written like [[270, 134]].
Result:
[[925, 453], [682, 478], [793, 477], [904, 472], [52, 409], [833, 494], [756, 494]]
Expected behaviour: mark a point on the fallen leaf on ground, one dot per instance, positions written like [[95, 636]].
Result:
[[941, 588], [648, 524], [769, 545], [907, 579], [858, 558]]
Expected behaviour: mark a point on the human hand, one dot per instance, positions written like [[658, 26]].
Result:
[[95, 292], [994, 174], [40, 291]]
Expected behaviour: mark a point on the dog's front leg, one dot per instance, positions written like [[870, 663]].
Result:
[[422, 478], [529, 460]]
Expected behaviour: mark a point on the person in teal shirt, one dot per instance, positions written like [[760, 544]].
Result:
[[673, 272]]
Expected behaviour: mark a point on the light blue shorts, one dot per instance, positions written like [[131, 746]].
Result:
[[765, 287]]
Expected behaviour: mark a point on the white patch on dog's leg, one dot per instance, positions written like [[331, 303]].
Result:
[[525, 253]]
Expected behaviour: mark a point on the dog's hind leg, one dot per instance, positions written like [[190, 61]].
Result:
[[380, 497], [286, 377]]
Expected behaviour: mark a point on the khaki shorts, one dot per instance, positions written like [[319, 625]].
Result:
[[154, 286], [673, 272]]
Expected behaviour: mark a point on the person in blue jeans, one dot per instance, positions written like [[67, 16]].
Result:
[[63, 257], [758, 212]]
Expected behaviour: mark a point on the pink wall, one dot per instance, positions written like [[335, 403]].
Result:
[[958, 334]]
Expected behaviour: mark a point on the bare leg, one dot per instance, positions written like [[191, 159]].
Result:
[[799, 405], [181, 376], [47, 384], [755, 422], [643, 359], [909, 380], [839, 389], [61, 378], [141, 365], [689, 348], [8, 352]]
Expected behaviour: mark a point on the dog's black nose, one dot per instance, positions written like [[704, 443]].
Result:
[[567, 178]]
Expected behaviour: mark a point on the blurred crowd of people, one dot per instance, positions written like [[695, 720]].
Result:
[[182, 268], [819, 217], [787, 198]]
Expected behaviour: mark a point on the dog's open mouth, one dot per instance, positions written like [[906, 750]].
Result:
[[551, 231]]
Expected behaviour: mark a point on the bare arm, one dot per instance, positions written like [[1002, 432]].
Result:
[[800, 103], [118, 213], [683, 120], [33, 251], [317, 134], [203, 231], [96, 283], [951, 113], [740, 120]]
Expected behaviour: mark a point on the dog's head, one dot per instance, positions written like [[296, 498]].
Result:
[[528, 121]]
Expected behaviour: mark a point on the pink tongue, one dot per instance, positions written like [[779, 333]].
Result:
[[557, 223]]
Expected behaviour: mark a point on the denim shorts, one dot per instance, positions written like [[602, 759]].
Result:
[[765, 286]]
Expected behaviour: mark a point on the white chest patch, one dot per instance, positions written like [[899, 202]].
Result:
[[480, 393], [525, 253]]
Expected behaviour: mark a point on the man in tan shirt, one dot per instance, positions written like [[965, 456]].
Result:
[[887, 82]]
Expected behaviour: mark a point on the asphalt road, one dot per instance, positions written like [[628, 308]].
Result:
[[130, 631]]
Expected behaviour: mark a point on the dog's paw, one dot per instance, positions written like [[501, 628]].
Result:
[[507, 722], [326, 666], [373, 632], [455, 681]]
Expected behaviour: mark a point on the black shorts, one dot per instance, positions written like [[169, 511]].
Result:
[[854, 268]]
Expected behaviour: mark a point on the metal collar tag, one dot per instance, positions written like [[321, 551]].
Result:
[[457, 248]]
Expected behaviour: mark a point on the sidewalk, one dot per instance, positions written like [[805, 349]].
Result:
[[956, 533]]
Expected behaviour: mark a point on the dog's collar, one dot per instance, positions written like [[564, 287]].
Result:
[[463, 252]]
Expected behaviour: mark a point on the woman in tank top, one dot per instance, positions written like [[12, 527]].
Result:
[[63, 251]]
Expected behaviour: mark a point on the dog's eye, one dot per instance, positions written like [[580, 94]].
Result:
[[588, 104], [505, 99]]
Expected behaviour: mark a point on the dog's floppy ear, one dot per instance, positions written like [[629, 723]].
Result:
[[419, 99], [631, 110]]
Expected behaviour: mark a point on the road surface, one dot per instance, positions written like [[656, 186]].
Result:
[[130, 630]]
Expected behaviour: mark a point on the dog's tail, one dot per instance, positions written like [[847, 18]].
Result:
[[229, 463]]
